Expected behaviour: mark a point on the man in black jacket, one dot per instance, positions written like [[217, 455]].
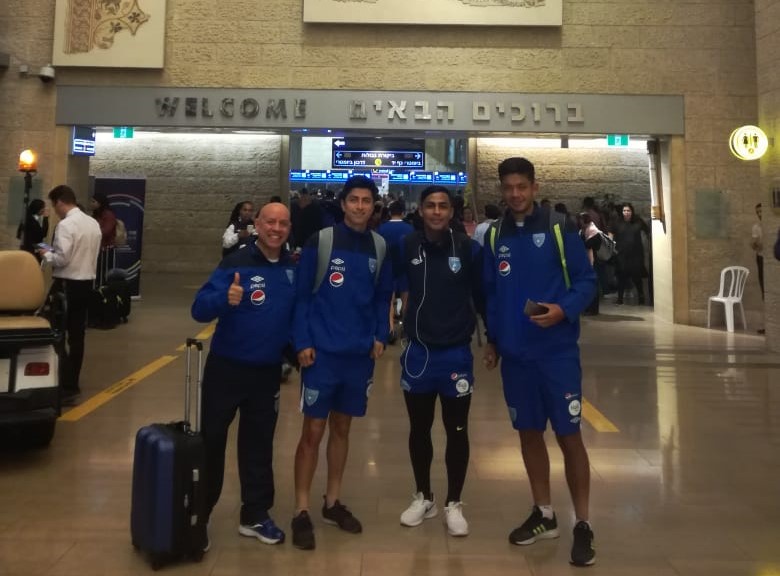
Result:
[[440, 272]]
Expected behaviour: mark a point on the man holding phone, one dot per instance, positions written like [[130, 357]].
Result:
[[73, 259], [538, 281]]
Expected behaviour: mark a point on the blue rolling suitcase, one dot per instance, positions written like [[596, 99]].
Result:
[[167, 517]]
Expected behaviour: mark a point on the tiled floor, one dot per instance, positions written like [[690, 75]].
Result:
[[687, 486]]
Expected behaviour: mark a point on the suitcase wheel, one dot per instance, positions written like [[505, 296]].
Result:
[[156, 561]]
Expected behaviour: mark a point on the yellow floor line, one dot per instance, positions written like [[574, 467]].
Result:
[[96, 401], [596, 419], [204, 334]]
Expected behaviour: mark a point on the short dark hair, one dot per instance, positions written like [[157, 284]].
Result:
[[517, 165], [396, 208], [64, 194], [492, 211], [359, 182], [433, 190]]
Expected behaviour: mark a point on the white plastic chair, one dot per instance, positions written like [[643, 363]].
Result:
[[732, 285]]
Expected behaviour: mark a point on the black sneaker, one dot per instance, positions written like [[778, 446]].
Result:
[[536, 527], [582, 551], [303, 531], [339, 515]]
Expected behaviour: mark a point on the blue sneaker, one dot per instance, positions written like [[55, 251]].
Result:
[[267, 532]]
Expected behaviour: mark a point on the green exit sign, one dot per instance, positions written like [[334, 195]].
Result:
[[123, 132], [617, 140]]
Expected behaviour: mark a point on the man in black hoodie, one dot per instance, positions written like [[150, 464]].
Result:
[[440, 272]]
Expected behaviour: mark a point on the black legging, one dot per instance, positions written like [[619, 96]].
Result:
[[624, 281], [455, 413]]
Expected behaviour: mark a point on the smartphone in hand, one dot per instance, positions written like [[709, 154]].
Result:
[[43, 246], [534, 308]]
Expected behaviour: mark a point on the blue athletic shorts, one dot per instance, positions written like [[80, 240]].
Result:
[[538, 391], [448, 371], [335, 382]]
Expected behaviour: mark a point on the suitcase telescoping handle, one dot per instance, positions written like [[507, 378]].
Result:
[[193, 342]]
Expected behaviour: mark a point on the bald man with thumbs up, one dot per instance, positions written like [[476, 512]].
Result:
[[251, 294]]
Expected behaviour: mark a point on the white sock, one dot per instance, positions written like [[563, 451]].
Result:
[[547, 511]]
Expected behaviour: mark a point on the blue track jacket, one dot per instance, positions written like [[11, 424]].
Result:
[[525, 263], [348, 311], [257, 330]]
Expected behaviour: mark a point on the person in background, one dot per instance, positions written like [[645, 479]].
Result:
[[630, 259], [73, 258], [589, 206], [492, 213], [757, 244], [35, 227], [777, 245], [252, 293], [591, 236], [101, 211], [394, 231], [240, 227], [307, 218], [469, 223]]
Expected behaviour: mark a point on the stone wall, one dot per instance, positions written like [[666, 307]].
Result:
[[768, 56], [192, 183], [702, 49], [568, 175]]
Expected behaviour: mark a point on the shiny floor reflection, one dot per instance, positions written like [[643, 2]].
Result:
[[687, 486]]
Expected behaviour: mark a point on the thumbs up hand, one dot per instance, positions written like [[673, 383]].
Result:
[[235, 292]]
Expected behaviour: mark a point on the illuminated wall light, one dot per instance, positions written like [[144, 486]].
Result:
[[748, 142]]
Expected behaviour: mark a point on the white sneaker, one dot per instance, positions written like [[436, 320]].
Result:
[[419, 510], [456, 523]]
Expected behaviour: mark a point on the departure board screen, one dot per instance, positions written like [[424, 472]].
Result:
[[402, 153]]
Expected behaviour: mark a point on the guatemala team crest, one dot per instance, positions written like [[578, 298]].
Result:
[[538, 240], [291, 276], [372, 265], [454, 262]]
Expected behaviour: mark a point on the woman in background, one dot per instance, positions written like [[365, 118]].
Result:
[[631, 253], [36, 226], [101, 211], [239, 228]]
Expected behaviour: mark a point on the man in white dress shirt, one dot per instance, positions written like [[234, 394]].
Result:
[[73, 258]]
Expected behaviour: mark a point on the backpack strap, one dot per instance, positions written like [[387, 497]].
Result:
[[325, 247], [494, 232], [557, 224], [380, 248]]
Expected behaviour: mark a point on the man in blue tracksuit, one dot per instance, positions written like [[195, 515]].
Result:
[[252, 293], [524, 266], [441, 273], [341, 326]]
